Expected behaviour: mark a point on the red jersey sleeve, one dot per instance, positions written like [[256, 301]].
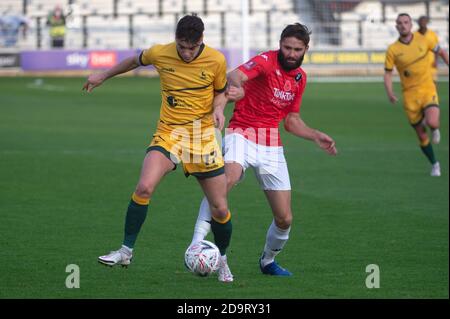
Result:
[[295, 108], [256, 66]]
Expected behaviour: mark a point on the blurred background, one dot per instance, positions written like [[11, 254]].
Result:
[[349, 37]]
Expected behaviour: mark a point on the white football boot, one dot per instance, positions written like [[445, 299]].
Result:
[[435, 136], [225, 274], [436, 169], [122, 257]]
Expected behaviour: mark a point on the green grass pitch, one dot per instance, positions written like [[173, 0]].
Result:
[[69, 162]]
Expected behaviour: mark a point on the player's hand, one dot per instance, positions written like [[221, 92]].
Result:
[[93, 81], [393, 99], [326, 143], [219, 118], [234, 94]]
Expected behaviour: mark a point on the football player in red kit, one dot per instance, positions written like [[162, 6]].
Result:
[[267, 89]]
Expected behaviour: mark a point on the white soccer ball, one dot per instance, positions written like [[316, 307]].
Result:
[[202, 258]]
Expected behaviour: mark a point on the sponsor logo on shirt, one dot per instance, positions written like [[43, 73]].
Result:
[[283, 95], [170, 70]]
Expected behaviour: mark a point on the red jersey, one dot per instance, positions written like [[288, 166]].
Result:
[[270, 94]]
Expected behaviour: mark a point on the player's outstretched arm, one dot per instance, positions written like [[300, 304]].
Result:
[[388, 86], [295, 125], [219, 103], [95, 80]]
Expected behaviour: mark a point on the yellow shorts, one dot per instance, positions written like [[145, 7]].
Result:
[[199, 157], [416, 101]]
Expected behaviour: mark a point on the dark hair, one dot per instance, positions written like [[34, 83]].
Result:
[[190, 28], [404, 15], [298, 30]]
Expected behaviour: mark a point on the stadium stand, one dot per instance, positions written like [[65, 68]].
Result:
[[120, 24], [11, 6], [96, 7]]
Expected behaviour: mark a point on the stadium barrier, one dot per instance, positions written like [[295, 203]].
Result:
[[9, 60], [71, 60], [74, 62]]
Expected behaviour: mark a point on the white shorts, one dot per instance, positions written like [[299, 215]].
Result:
[[268, 162]]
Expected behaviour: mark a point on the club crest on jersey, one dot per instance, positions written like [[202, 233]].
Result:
[[287, 86], [250, 65], [172, 101], [203, 75], [298, 77]]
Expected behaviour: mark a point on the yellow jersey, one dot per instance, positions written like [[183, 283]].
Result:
[[432, 37], [187, 88], [412, 62]]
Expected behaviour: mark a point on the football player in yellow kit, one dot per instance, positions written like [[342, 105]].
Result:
[[432, 36], [193, 83], [409, 54]]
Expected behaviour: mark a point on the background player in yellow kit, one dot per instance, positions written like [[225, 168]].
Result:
[[432, 36], [409, 54], [193, 83]]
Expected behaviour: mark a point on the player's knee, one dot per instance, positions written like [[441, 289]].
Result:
[[219, 211], [284, 222], [423, 138], [144, 190], [421, 134], [433, 123]]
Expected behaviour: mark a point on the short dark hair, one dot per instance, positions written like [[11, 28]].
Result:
[[190, 28], [298, 30], [404, 15]]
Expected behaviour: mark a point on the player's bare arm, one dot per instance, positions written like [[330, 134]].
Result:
[[388, 86], [235, 90], [295, 125], [219, 103], [443, 54], [126, 65]]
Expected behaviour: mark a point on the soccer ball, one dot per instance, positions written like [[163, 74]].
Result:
[[202, 258]]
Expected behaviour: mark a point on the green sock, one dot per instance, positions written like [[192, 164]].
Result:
[[136, 215], [428, 151], [222, 234]]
